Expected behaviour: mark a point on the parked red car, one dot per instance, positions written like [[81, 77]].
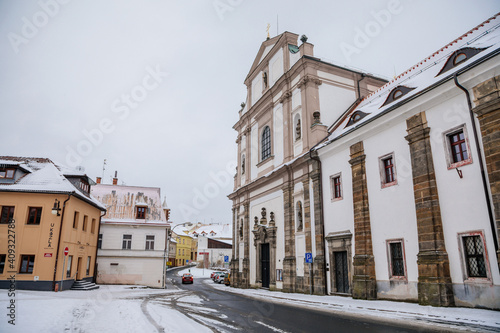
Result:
[[187, 278]]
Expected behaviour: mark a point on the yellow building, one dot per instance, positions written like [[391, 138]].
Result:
[[184, 249], [46, 208]]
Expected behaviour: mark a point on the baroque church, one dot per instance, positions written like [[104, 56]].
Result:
[[351, 185]]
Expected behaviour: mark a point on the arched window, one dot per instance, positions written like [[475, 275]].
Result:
[[266, 143]]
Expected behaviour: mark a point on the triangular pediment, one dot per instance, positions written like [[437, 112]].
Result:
[[269, 47]]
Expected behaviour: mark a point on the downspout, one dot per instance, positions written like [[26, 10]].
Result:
[[96, 247], [481, 165], [59, 240]]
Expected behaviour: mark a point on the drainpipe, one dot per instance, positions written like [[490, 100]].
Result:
[[481, 165], [59, 240], [96, 247]]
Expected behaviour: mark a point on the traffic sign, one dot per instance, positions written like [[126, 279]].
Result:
[[66, 251], [309, 258], [226, 258]]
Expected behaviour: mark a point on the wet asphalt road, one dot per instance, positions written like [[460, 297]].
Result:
[[228, 312]]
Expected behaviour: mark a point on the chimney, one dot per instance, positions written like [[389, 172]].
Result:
[[98, 180], [115, 180]]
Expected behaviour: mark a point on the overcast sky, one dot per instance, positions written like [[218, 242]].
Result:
[[154, 86]]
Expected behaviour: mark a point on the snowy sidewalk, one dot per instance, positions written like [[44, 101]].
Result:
[[449, 319]]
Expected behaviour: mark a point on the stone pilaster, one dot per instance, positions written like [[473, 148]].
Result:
[[487, 101], [245, 276], [364, 281], [319, 268], [289, 263], [234, 261], [236, 238], [434, 281]]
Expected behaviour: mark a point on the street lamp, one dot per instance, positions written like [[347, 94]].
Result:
[[56, 209], [167, 248]]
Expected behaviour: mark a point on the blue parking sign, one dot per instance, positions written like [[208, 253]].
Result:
[[226, 258], [309, 258]]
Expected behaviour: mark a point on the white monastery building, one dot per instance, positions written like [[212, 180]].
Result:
[[398, 198]]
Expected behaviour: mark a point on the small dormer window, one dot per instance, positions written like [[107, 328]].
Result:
[[396, 93], [356, 116], [84, 186], [459, 57], [7, 173]]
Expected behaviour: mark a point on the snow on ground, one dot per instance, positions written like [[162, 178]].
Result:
[[111, 308], [118, 308], [386, 310]]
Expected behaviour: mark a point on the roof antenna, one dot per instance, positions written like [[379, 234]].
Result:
[[103, 168]]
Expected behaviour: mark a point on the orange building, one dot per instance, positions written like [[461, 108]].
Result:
[[46, 208]]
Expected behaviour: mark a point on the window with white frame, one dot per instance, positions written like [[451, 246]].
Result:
[[150, 242], [336, 187], [396, 256], [127, 242], [387, 164], [474, 256], [457, 147]]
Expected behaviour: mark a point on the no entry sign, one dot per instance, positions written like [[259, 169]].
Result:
[[66, 251]]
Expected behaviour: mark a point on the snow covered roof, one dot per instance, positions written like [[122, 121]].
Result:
[[478, 43], [121, 202], [216, 231], [41, 175]]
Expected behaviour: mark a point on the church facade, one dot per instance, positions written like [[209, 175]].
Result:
[[350, 185], [291, 97]]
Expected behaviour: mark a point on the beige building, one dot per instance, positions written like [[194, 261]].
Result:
[[46, 208]]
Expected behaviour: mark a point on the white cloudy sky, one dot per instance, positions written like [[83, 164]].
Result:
[[72, 73]]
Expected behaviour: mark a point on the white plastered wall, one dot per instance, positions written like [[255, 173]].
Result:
[[276, 67], [278, 134]]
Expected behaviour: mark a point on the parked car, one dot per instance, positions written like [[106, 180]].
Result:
[[218, 278], [227, 279], [215, 273], [187, 278]]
